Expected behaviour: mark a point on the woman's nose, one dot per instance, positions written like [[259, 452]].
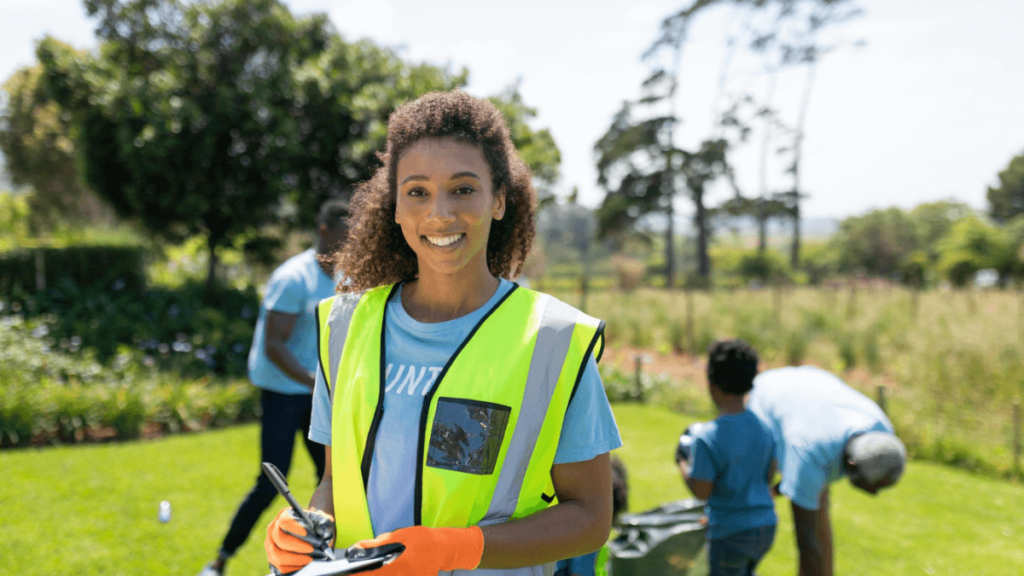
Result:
[[441, 209]]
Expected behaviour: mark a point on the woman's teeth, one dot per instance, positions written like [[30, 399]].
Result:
[[444, 240]]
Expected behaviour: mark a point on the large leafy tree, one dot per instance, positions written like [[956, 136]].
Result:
[[219, 118], [878, 242], [35, 137], [933, 221], [973, 244], [190, 117], [1007, 200], [344, 96]]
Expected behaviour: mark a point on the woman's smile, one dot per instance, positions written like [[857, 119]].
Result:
[[448, 241]]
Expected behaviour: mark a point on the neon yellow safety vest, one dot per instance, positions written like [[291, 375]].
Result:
[[513, 376]]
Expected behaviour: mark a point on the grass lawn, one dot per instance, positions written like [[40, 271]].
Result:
[[93, 510]]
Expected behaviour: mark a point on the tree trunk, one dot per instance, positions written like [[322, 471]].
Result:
[[701, 217], [211, 271], [798, 148], [670, 251], [762, 225], [794, 254]]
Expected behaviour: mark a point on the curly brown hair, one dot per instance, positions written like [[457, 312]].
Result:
[[376, 252]]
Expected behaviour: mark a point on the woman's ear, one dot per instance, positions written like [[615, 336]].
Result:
[[498, 211]]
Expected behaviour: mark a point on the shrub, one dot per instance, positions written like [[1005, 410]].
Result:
[[53, 396], [796, 347], [103, 267], [628, 272], [847, 351]]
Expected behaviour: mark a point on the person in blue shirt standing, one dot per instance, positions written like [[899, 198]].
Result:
[[282, 363], [823, 430], [731, 466]]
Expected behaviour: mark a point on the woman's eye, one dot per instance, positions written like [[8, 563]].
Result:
[[416, 192], [464, 190]]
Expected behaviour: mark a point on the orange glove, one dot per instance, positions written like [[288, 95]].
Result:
[[290, 544], [430, 550]]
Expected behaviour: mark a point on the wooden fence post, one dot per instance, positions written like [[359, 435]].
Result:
[[639, 361], [691, 339], [1016, 438], [881, 399], [851, 305], [40, 272]]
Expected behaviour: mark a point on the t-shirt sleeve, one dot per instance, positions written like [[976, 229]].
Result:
[[320, 420], [703, 464], [802, 479], [589, 428], [286, 293]]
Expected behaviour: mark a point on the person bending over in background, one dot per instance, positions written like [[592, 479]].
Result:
[[456, 405], [282, 363], [731, 466], [823, 430]]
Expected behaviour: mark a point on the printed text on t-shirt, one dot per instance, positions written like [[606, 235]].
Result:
[[410, 379]]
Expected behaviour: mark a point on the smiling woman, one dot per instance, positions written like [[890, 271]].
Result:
[[379, 251], [463, 415]]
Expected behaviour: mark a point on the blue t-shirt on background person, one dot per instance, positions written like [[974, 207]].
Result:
[[295, 287], [416, 352], [811, 414], [735, 452]]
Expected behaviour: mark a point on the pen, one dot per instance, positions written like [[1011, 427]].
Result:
[[277, 479]]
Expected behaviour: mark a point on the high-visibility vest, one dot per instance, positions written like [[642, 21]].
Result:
[[518, 368]]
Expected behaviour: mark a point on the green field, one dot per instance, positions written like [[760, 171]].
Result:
[[92, 510]]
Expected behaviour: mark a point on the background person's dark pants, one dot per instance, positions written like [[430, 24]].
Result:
[[283, 415]]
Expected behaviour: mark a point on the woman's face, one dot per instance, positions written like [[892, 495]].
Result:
[[445, 205]]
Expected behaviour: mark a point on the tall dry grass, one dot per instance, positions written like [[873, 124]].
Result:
[[952, 361]]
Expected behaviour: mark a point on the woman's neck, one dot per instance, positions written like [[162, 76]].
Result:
[[441, 297]]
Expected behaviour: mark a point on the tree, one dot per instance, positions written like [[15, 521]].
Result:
[[343, 97], [876, 243], [536, 147], [973, 245], [189, 116], [1007, 200], [933, 220], [643, 172], [791, 37], [35, 137]]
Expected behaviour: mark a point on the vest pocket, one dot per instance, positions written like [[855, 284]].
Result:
[[467, 435]]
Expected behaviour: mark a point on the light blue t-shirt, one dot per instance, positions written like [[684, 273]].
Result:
[[295, 287], [416, 352], [583, 565], [735, 453], [811, 414]]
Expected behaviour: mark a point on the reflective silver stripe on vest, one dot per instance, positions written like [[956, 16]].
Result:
[[338, 319], [554, 336]]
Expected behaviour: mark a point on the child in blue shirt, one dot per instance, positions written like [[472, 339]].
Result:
[[731, 466]]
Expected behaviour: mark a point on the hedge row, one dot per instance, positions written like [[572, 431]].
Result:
[[28, 271], [51, 396]]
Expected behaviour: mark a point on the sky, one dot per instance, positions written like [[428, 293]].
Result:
[[928, 108]]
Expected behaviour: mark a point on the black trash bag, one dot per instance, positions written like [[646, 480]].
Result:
[[668, 540]]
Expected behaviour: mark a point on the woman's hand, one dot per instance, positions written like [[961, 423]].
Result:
[[430, 550], [290, 545]]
